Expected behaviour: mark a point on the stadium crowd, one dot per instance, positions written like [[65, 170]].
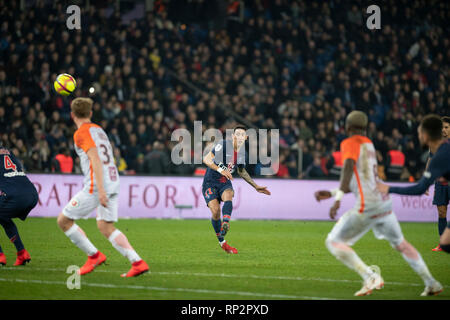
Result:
[[297, 66]]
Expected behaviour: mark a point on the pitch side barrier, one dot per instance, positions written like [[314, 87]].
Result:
[[174, 197]]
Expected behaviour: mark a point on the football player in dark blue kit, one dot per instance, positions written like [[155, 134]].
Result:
[[18, 197], [441, 196], [221, 161], [430, 134]]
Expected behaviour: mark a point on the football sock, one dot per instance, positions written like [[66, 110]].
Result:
[[78, 237], [226, 210], [216, 226], [120, 242], [420, 268], [442, 224], [348, 256], [12, 233]]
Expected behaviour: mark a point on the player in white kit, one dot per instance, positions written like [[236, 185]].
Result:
[[372, 210], [100, 191]]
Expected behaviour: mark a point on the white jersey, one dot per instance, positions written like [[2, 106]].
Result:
[[365, 174], [88, 136]]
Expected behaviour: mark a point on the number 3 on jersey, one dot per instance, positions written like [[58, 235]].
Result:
[[9, 164]]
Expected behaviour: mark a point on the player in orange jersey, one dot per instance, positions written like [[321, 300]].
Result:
[[373, 210], [100, 191]]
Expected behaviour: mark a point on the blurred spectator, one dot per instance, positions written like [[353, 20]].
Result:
[[299, 66], [157, 161], [63, 162]]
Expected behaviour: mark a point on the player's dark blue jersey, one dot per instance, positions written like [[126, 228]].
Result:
[[225, 155], [12, 176], [438, 169]]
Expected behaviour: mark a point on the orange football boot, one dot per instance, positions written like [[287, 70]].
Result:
[[229, 249], [22, 258], [137, 268], [92, 262], [2, 259], [438, 248]]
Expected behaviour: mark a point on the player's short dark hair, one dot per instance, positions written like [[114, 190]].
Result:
[[239, 126], [446, 119], [432, 125]]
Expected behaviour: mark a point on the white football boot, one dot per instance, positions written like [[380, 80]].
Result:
[[432, 290], [374, 281]]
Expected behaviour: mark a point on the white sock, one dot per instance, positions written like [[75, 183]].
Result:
[[121, 244], [77, 236], [420, 268], [221, 243], [351, 260]]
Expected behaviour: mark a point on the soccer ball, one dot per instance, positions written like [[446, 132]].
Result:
[[65, 84]]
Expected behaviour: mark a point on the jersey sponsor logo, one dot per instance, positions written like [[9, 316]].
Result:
[[14, 174]]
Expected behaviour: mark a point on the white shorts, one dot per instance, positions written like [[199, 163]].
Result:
[[353, 225], [83, 203]]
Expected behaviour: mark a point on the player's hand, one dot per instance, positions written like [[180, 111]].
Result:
[[227, 174], [334, 209], [383, 188], [262, 190], [427, 192], [103, 199], [322, 195]]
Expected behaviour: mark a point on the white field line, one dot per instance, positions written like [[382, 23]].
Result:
[[204, 291], [224, 275]]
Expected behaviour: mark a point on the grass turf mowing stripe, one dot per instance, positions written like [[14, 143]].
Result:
[[223, 275], [206, 291]]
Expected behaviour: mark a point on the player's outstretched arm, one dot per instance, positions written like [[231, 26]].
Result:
[[98, 175], [209, 161], [435, 170], [244, 175]]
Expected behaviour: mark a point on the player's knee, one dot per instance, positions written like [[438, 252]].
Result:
[[105, 228], [63, 222], [329, 243], [445, 247], [402, 246]]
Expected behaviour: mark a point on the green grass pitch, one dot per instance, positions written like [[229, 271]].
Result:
[[276, 260]]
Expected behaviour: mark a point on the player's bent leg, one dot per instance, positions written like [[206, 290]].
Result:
[[23, 257], [120, 242], [442, 223], [349, 229], [445, 240], [214, 206], [371, 275], [227, 197], [79, 238], [414, 259]]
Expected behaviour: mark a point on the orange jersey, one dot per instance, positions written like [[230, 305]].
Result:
[[365, 175], [88, 136]]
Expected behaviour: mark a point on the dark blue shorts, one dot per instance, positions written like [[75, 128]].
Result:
[[441, 195], [213, 191], [17, 205]]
